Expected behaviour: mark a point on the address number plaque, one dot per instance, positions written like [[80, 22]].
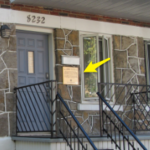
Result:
[[35, 19]]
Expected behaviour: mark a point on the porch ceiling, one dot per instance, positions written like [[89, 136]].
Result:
[[137, 10]]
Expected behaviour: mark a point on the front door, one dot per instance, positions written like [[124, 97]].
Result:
[[32, 51], [32, 54]]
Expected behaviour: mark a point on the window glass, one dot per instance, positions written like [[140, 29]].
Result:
[[90, 54], [30, 62], [149, 62]]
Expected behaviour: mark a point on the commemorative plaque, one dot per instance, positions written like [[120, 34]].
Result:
[[70, 75]]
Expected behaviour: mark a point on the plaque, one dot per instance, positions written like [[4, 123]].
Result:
[[30, 62], [70, 75]]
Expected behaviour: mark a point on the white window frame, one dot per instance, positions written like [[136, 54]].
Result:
[[94, 100], [147, 62]]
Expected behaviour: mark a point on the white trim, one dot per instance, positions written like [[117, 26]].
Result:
[[20, 17], [96, 107], [34, 29]]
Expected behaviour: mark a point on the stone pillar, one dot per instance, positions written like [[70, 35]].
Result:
[[8, 80], [67, 43]]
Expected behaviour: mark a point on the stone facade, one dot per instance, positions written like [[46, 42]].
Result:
[[129, 65], [129, 68], [8, 80], [67, 43]]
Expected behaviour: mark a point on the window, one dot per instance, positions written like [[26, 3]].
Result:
[[95, 49], [147, 52]]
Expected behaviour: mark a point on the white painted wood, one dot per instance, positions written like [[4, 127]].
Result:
[[34, 29]]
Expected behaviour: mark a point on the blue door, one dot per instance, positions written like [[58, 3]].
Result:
[[33, 67]]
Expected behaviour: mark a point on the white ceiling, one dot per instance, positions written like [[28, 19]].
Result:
[[138, 10]]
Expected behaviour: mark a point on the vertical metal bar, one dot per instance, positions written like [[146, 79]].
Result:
[[115, 134], [82, 143], [128, 144], [133, 145], [100, 112], [78, 137], [124, 147], [52, 108], [119, 136], [70, 136], [15, 99], [134, 124], [111, 130], [86, 147], [74, 140]]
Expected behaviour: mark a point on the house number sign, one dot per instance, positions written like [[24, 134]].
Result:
[[35, 19]]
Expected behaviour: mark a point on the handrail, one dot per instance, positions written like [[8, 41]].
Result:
[[116, 115], [34, 84], [77, 122]]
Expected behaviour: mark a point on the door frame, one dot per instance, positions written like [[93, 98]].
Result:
[[51, 51]]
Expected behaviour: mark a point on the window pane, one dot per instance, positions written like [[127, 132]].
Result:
[[30, 62], [90, 54]]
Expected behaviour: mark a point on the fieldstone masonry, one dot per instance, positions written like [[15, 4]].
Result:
[[129, 65], [67, 43], [8, 80], [129, 68]]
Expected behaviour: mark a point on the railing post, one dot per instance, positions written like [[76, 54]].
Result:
[[100, 112], [52, 109], [134, 122], [15, 99]]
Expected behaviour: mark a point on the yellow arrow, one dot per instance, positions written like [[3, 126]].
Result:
[[91, 67]]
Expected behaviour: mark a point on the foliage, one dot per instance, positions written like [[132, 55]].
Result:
[[90, 54]]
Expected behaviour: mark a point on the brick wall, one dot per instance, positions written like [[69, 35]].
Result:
[[58, 12]]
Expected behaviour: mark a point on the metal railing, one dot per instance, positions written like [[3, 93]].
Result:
[[116, 129], [141, 105], [70, 128], [35, 108], [130, 101]]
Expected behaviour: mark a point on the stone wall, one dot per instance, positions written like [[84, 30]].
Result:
[[129, 63], [67, 43], [129, 68], [8, 80]]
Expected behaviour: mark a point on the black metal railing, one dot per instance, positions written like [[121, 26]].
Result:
[[130, 101], [35, 108], [115, 128], [70, 128], [141, 105]]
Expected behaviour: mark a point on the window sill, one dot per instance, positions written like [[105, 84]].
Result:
[[92, 107]]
